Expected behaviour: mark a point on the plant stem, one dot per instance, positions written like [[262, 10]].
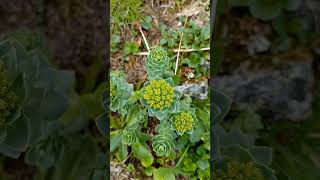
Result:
[[184, 153]]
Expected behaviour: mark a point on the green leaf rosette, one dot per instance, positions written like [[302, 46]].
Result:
[[160, 97], [184, 121], [129, 135], [163, 143], [120, 92], [157, 62]]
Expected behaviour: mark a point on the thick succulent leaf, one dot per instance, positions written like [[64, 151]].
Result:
[[143, 153], [3, 133], [17, 140], [14, 116], [216, 147], [261, 155], [64, 81], [9, 151], [170, 81], [115, 142], [32, 111], [46, 153], [198, 132], [76, 163], [29, 39], [102, 124], [4, 48], [163, 173], [18, 134], [235, 136], [53, 105], [122, 152], [104, 100], [222, 102], [237, 153], [265, 9]]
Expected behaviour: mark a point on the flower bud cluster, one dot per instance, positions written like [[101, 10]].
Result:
[[159, 94]]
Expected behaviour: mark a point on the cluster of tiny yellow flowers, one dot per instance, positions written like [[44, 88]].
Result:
[[7, 97], [159, 94], [112, 90], [183, 122]]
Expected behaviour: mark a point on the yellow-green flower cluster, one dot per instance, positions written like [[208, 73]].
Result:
[[183, 122], [159, 94], [7, 97], [157, 55], [112, 90], [240, 171]]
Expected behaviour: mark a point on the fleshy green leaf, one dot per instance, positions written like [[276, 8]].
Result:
[[205, 33], [265, 9], [102, 124], [163, 174], [143, 153], [262, 155], [115, 142]]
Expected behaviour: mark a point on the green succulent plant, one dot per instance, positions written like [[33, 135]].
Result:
[[120, 92], [32, 94], [239, 171], [157, 62], [129, 135], [163, 143], [160, 97]]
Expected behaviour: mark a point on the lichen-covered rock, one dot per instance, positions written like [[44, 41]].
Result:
[[197, 90], [281, 93]]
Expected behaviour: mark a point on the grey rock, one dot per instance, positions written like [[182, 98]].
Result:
[[197, 90], [119, 172], [282, 93]]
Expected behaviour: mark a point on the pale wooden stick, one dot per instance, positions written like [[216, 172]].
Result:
[[192, 50], [177, 61], [176, 50], [144, 38]]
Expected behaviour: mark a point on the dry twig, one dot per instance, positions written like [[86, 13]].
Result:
[[176, 50], [177, 61], [144, 38]]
